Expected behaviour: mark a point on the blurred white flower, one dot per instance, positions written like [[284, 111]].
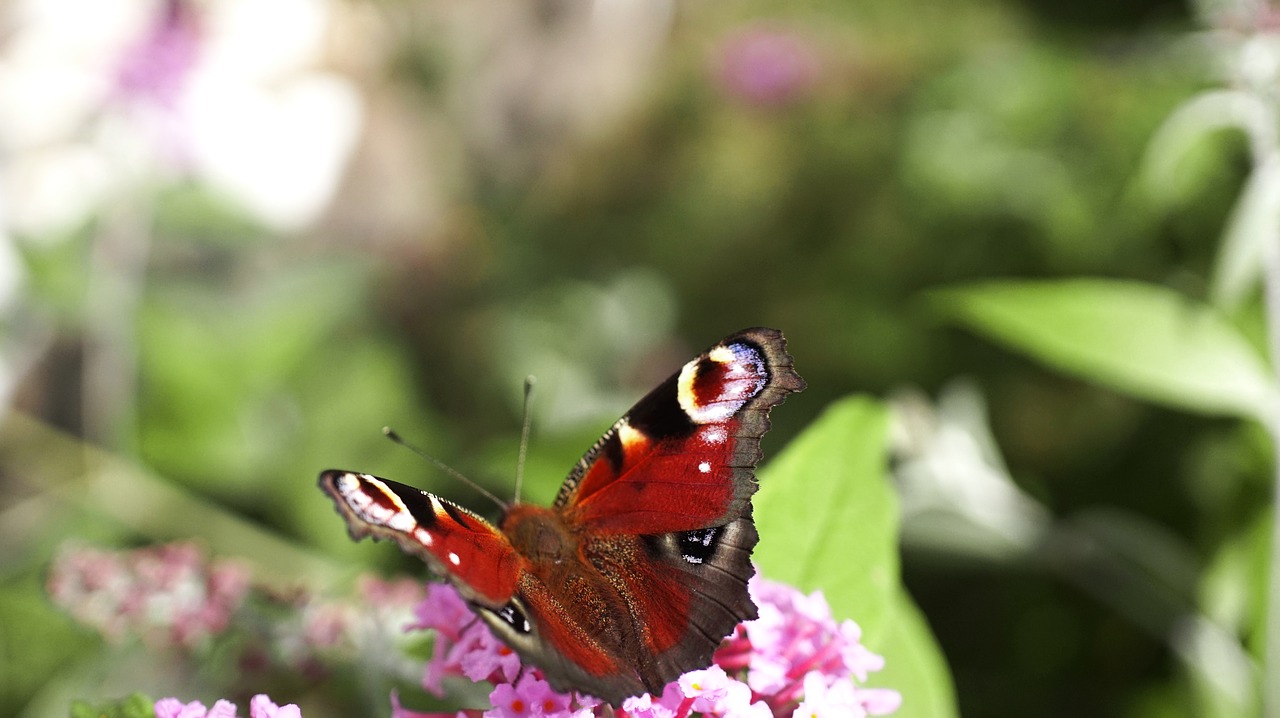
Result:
[[531, 79], [956, 492], [22, 338], [106, 97]]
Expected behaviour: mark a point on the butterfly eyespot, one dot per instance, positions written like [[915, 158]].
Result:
[[715, 386], [513, 617], [698, 546]]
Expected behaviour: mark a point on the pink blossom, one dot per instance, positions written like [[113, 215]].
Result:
[[544, 699], [174, 595], [174, 708], [223, 709], [260, 706], [325, 625], [167, 594], [713, 691], [766, 67], [464, 646], [643, 706], [879, 701], [796, 635], [483, 656], [527, 697], [795, 657], [156, 67], [857, 658], [395, 593], [442, 610], [828, 700], [508, 703]]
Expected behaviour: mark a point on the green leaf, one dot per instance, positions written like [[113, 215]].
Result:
[[36, 639], [137, 705], [828, 520], [826, 517], [914, 666], [1143, 340]]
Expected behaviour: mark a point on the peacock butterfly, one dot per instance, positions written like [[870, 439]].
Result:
[[639, 568]]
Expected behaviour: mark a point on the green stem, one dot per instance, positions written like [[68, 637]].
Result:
[[118, 261], [1271, 655], [79, 477]]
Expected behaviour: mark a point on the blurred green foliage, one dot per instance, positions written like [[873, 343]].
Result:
[[135, 706]]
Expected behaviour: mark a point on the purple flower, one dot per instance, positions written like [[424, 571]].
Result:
[[463, 646], [766, 67], [670, 705], [714, 692], [168, 594], [795, 637], [156, 67], [443, 611], [174, 708], [260, 706], [794, 659], [821, 699], [484, 656], [529, 696]]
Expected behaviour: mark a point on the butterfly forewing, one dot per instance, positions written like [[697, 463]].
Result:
[[456, 543], [684, 456]]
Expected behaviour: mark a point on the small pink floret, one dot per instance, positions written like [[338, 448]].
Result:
[[795, 658]]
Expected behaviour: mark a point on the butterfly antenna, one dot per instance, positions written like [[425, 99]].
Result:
[[529, 382], [391, 434]]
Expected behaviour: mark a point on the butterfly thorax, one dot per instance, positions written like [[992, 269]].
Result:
[[538, 533]]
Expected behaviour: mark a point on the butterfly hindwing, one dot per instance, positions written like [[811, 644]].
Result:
[[663, 505]]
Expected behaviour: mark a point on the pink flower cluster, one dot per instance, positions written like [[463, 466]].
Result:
[[260, 706], [168, 594], [156, 67], [794, 660], [800, 660], [323, 628], [767, 67]]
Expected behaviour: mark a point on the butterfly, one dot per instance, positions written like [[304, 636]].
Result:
[[639, 569]]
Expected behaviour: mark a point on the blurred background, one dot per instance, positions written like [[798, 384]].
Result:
[[238, 237]]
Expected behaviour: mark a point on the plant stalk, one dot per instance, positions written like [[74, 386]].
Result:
[[1271, 653]]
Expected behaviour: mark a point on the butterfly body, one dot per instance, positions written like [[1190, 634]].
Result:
[[639, 568]]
